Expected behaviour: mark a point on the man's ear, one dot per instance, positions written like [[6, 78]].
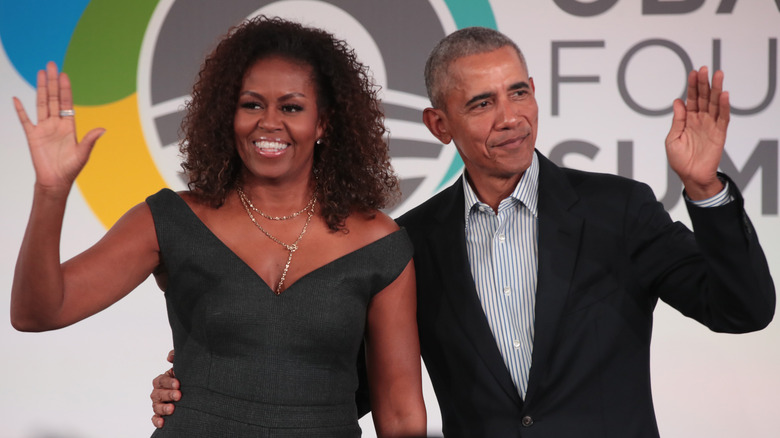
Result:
[[436, 121]]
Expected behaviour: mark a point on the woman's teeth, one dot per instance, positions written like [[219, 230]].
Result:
[[270, 146]]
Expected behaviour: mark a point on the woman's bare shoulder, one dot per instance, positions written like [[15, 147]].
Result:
[[197, 204], [370, 226]]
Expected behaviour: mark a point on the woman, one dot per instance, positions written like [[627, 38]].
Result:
[[275, 263]]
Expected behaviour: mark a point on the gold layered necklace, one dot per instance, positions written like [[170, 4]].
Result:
[[292, 247]]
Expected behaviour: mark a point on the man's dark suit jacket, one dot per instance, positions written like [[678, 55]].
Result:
[[607, 252]]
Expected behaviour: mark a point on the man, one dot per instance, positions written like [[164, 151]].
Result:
[[537, 284]]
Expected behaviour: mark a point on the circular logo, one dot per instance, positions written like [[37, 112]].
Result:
[[134, 76]]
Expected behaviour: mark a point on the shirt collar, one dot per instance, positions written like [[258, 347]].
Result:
[[526, 192]]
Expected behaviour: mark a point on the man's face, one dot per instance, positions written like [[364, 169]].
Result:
[[490, 112]]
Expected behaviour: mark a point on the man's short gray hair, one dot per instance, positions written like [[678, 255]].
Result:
[[464, 42]]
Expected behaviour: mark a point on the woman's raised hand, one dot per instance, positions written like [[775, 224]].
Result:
[[57, 155]]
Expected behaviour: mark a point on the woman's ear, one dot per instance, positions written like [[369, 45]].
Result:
[[322, 124]]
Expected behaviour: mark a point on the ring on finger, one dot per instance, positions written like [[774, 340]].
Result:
[[67, 113]]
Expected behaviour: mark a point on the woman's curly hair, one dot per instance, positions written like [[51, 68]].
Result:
[[352, 165]]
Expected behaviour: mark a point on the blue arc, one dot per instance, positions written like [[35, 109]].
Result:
[[34, 32]]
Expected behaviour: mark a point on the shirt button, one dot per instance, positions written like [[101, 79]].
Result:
[[483, 209], [507, 291], [516, 343], [501, 238], [528, 421]]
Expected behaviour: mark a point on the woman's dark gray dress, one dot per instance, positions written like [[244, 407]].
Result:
[[254, 364]]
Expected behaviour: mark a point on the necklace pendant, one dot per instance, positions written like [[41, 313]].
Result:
[[248, 207]]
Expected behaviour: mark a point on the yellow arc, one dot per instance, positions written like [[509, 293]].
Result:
[[121, 172]]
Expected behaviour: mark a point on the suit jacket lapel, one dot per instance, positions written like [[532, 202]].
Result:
[[450, 240], [558, 239]]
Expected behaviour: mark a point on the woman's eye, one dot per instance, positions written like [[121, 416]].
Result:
[[292, 108], [250, 105]]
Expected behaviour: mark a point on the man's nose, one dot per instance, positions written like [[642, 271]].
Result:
[[507, 114]]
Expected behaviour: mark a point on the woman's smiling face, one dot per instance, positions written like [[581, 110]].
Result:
[[277, 120]]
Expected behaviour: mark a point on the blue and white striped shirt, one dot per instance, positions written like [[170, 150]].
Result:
[[503, 255]]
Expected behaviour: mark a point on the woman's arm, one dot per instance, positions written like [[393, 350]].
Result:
[[393, 359], [46, 295]]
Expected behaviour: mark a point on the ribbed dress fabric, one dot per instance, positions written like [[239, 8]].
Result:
[[256, 364]]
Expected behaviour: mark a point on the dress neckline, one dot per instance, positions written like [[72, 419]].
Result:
[[212, 235]]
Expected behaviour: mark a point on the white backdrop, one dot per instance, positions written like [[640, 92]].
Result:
[[93, 379]]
